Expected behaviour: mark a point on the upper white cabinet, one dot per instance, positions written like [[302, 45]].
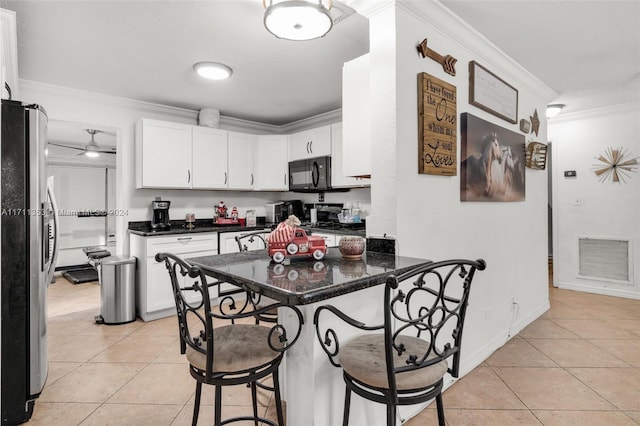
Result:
[[338, 177], [310, 143], [271, 163], [209, 158], [240, 160], [356, 117], [163, 154], [9, 54]]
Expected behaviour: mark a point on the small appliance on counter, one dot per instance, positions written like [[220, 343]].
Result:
[[160, 218], [279, 211]]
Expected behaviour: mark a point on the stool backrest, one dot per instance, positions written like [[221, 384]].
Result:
[[193, 305], [428, 302]]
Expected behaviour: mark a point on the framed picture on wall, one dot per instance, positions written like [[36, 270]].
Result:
[[492, 94], [492, 166]]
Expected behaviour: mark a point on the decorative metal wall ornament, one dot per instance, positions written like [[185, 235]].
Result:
[[535, 122], [448, 62], [535, 156], [617, 165]]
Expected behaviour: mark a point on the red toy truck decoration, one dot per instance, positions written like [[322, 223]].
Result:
[[291, 241]]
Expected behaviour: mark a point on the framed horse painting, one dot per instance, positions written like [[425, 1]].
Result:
[[492, 166]]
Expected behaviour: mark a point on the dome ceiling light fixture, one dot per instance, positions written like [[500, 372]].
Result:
[[212, 70], [298, 19], [553, 110]]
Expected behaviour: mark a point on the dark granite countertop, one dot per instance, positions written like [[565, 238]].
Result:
[[305, 280], [201, 225], [144, 229]]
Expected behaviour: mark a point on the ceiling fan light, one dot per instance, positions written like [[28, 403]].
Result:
[[212, 70], [297, 19], [91, 151], [553, 110]]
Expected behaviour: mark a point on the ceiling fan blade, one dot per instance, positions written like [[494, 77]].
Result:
[[65, 146]]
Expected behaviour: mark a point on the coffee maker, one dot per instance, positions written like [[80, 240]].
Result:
[[160, 219]]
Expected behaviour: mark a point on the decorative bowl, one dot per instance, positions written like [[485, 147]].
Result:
[[352, 247]]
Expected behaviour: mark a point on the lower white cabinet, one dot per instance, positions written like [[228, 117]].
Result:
[[154, 297]]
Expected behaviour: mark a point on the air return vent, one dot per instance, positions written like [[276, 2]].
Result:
[[606, 259]]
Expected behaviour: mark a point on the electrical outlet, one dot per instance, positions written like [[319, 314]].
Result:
[[321, 197], [577, 201]]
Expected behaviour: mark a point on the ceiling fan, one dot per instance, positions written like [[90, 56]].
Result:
[[92, 149]]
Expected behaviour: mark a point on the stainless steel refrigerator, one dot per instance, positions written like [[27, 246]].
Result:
[[27, 261]]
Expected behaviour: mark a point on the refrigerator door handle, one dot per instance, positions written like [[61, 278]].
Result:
[[56, 235]]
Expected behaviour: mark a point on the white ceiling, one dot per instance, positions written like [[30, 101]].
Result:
[[586, 51]]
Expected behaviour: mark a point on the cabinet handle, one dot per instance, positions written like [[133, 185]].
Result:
[[225, 178], [308, 148], [311, 147], [185, 238], [251, 179], [188, 176], [285, 179]]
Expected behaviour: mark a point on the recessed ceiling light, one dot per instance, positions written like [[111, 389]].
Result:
[[212, 70]]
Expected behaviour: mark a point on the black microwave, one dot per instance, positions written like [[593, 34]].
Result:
[[310, 175]]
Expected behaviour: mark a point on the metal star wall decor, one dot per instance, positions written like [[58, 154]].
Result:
[[535, 122], [617, 165]]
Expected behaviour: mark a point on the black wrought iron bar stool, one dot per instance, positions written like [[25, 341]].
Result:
[[403, 360], [230, 354]]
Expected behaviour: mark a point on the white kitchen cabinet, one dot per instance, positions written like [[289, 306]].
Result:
[[271, 163], [356, 117], [240, 160], [154, 297], [310, 143], [329, 239], [338, 177], [163, 154], [209, 158], [9, 54]]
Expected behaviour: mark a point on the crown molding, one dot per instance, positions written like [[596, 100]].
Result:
[[443, 20], [595, 112]]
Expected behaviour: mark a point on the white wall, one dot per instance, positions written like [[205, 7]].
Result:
[[425, 211], [98, 111], [607, 210]]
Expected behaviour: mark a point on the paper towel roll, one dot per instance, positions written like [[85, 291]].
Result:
[[314, 215]]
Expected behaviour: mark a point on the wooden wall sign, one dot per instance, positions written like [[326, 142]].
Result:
[[492, 94], [437, 123]]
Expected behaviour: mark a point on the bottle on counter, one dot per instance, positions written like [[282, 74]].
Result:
[[357, 212]]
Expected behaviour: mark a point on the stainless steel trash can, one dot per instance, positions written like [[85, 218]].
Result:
[[117, 276]]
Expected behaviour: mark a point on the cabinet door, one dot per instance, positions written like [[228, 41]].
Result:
[[159, 292], [240, 155], [310, 143], [329, 239], [338, 177], [356, 117], [209, 158], [271, 163], [163, 154], [9, 54]]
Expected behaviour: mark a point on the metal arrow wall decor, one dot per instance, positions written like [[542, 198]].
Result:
[[448, 62]]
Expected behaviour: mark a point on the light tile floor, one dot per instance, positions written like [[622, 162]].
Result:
[[578, 364]]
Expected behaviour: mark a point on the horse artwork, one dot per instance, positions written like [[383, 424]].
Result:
[[492, 166]]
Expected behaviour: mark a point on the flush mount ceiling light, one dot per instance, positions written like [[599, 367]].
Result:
[[554, 109], [298, 19], [212, 70]]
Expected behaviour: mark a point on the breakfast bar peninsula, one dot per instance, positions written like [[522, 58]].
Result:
[[312, 387]]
